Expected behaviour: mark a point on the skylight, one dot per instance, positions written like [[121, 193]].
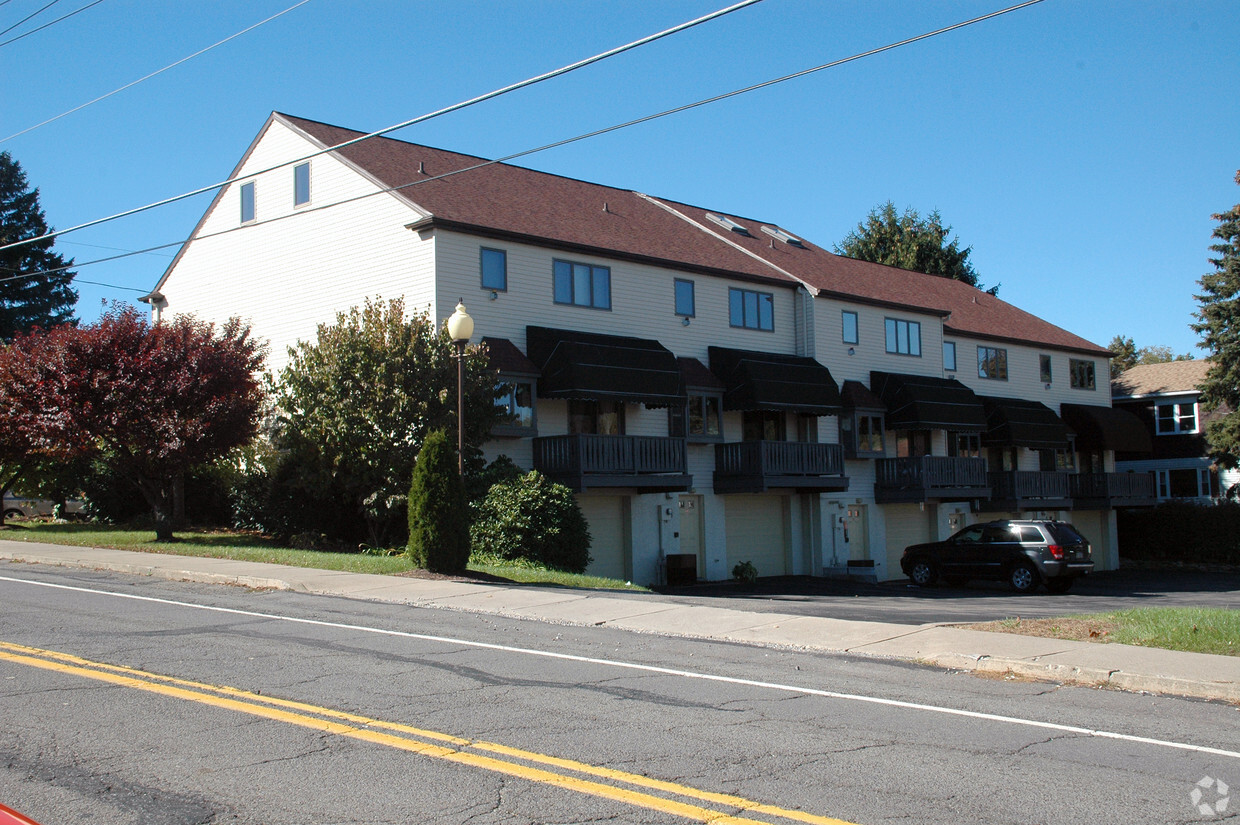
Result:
[[779, 234], [728, 224]]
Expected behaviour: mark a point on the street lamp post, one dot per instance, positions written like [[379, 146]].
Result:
[[460, 327]]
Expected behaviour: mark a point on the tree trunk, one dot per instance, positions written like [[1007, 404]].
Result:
[[178, 501], [158, 494]]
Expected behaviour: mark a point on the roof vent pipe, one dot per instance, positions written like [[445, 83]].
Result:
[[421, 168]]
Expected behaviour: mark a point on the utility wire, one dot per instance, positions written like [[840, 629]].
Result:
[[152, 74], [545, 147], [420, 119], [29, 16], [52, 23]]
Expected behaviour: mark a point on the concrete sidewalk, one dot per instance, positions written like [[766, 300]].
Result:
[[1123, 667]]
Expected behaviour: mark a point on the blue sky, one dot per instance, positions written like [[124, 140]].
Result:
[[1079, 148]]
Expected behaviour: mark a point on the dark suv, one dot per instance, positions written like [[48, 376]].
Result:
[[1022, 553]]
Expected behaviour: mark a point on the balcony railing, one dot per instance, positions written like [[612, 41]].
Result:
[[1028, 490], [930, 477], [1102, 491], [584, 461], [757, 466]]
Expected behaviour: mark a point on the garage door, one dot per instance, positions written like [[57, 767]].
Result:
[[755, 528], [906, 524], [608, 535], [1089, 524]]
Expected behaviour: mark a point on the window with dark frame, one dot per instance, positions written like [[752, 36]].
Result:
[[587, 417], [849, 320], [861, 433], [301, 184], [992, 363], [583, 285], [751, 310], [517, 400], [964, 445], [247, 202], [698, 420], [494, 266], [1044, 368], [684, 299], [903, 337], [764, 425], [1081, 373]]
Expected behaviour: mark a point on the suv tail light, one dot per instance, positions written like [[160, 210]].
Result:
[[1055, 550]]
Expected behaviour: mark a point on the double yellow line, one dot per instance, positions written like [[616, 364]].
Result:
[[580, 777]]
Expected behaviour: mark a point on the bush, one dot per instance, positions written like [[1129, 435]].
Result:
[[438, 512], [745, 572], [1181, 532], [532, 519]]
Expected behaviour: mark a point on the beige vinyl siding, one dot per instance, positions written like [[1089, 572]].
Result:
[[641, 299], [287, 276], [870, 351]]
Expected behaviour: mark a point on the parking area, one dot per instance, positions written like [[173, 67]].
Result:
[[904, 603]]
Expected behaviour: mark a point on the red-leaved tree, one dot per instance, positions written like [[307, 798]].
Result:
[[156, 400]]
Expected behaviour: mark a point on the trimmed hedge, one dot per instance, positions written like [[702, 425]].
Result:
[[1181, 532], [532, 519], [438, 511]]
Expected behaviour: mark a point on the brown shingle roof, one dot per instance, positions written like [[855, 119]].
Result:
[[1148, 379], [512, 201]]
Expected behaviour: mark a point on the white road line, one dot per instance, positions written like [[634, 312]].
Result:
[[665, 671]]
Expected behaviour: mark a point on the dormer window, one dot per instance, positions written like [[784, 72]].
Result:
[[728, 224]]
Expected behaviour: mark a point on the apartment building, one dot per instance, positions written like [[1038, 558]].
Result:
[[710, 385]]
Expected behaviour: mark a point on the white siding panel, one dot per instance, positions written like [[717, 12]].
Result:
[[293, 269]]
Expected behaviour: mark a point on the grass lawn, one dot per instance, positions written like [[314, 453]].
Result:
[[1193, 629], [222, 544]]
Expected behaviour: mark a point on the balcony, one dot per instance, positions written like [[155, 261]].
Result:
[[930, 477], [1027, 490], [583, 462], [1104, 491], [758, 466]]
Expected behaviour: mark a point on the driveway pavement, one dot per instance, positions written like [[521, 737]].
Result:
[[905, 603]]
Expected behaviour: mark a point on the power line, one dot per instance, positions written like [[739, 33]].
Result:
[[29, 16], [152, 74], [420, 119], [52, 23], [545, 147]]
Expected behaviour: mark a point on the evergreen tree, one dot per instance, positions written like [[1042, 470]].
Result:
[[1219, 328], [438, 510], [910, 242], [29, 300]]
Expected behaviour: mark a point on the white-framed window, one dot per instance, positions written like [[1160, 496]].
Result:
[[849, 319], [903, 337], [949, 356], [992, 363], [583, 285], [684, 299], [493, 264], [248, 211], [1082, 374], [1175, 418], [751, 310], [1188, 482], [301, 184]]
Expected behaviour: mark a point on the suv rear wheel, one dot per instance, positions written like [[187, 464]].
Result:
[[1023, 578], [923, 572]]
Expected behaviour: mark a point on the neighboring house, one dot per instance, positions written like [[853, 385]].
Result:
[[709, 384], [1166, 397]]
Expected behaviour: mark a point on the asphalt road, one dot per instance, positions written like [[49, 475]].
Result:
[[905, 603], [132, 700]]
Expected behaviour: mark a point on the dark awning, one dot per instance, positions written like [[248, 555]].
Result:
[[921, 402], [1106, 428], [697, 377], [1016, 422], [771, 381], [506, 359], [588, 365]]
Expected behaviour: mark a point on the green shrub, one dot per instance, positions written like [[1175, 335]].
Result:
[[533, 519], [745, 572], [1178, 531], [438, 512]]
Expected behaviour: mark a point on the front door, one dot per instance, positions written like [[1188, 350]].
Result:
[[691, 531], [856, 537]]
